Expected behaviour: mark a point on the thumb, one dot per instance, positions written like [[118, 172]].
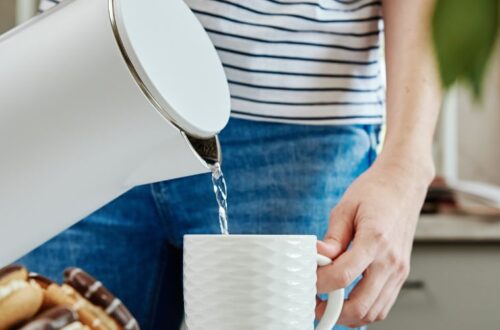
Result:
[[340, 230]]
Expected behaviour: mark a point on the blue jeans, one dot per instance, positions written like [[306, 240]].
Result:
[[282, 179]]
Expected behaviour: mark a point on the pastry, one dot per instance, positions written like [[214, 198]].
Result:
[[97, 294], [92, 316], [56, 318], [20, 297], [81, 303], [44, 283]]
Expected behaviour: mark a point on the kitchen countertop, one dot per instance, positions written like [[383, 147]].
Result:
[[457, 228]]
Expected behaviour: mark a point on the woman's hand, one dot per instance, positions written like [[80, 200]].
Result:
[[378, 213]]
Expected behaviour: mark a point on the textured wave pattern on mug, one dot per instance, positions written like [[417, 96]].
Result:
[[274, 297]]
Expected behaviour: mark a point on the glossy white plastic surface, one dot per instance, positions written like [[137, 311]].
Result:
[[176, 61], [76, 131]]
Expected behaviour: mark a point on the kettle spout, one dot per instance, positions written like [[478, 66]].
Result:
[[208, 149], [184, 156]]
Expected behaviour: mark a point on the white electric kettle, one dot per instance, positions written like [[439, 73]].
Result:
[[96, 97]]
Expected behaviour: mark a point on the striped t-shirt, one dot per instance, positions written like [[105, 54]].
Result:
[[297, 61]]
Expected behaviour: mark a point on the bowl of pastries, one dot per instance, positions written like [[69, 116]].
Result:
[[29, 301]]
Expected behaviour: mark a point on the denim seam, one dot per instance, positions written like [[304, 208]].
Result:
[[155, 297], [159, 274], [165, 219]]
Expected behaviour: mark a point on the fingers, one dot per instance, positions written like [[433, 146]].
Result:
[[386, 300], [401, 269], [389, 303], [365, 295], [375, 295], [370, 301], [327, 250], [352, 263], [341, 229]]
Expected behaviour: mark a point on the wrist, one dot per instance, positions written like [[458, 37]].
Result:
[[416, 165]]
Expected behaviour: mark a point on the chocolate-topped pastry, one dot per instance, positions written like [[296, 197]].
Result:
[[90, 315], [43, 281], [20, 298], [12, 272], [9, 269], [97, 294], [57, 318]]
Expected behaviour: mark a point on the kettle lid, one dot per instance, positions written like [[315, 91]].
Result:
[[174, 62]]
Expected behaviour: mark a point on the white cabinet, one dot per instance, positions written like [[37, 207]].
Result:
[[453, 286]]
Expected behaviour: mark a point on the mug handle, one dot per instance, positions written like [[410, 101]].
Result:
[[334, 304]]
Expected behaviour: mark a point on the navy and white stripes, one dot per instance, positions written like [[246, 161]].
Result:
[[299, 61]]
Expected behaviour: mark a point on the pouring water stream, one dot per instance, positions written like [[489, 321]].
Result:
[[220, 191]]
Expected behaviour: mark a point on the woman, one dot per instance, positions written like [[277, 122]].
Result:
[[307, 104]]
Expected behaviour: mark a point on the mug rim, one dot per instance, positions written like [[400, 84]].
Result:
[[249, 236]]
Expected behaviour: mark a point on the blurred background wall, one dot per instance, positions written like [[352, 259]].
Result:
[[7, 14], [13, 12], [479, 129]]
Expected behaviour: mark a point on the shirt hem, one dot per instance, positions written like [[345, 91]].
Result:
[[378, 119]]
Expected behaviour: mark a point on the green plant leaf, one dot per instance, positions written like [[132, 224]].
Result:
[[464, 34]]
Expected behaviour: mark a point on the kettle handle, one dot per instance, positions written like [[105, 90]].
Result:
[[334, 304]]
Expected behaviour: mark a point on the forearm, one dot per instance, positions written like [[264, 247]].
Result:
[[413, 87]]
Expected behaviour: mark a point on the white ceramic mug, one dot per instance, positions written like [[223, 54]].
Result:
[[254, 282]]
